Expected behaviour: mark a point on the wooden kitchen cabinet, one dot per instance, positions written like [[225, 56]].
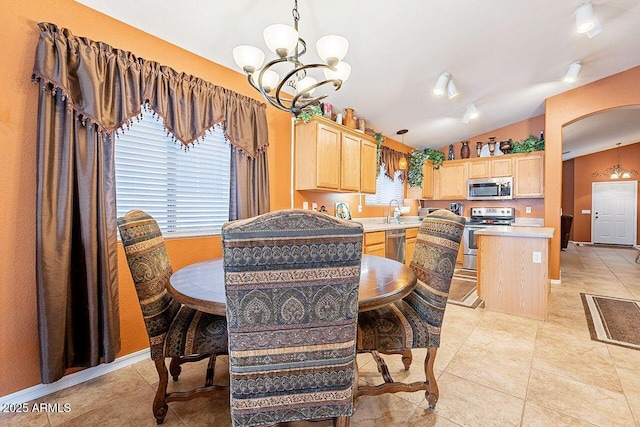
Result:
[[427, 180], [411, 235], [452, 180], [374, 243], [490, 167], [529, 175], [479, 169], [332, 157], [501, 166]]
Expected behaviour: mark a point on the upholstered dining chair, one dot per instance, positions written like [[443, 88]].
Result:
[[415, 321], [175, 331], [291, 282]]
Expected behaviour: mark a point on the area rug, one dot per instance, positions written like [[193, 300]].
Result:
[[613, 320], [464, 288]]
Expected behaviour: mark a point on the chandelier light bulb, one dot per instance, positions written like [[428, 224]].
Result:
[[572, 72], [304, 84], [270, 79], [343, 71], [584, 18], [441, 84], [332, 48], [249, 58], [281, 39]]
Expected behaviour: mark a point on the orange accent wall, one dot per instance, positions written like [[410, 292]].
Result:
[[568, 168], [19, 350], [618, 90], [579, 182]]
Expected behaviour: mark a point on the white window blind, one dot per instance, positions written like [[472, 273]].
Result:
[[386, 190], [187, 192]]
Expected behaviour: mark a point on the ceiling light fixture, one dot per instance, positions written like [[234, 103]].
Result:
[[572, 72], [616, 171], [471, 113], [452, 90], [402, 163], [585, 19], [285, 42], [441, 84]]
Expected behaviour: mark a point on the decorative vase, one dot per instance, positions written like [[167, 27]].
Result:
[[349, 121], [479, 148], [451, 155], [464, 151], [506, 146], [360, 124], [492, 145]]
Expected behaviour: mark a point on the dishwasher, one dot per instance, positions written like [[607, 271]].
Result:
[[395, 245]]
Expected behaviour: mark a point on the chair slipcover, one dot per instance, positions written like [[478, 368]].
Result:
[[291, 281], [415, 321]]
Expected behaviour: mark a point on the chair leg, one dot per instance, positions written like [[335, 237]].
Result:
[[174, 368], [160, 406], [432, 394], [341, 421], [407, 357]]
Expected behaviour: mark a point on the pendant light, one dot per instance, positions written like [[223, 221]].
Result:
[[402, 163]]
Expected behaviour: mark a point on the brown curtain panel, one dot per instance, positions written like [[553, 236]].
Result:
[[88, 91], [391, 160]]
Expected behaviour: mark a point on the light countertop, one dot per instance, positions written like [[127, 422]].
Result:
[[520, 231], [379, 223]]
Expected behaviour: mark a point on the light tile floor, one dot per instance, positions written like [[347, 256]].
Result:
[[493, 370]]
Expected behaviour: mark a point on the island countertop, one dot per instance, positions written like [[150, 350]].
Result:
[[520, 231]]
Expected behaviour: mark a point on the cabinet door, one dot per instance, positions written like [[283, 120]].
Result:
[[410, 244], [350, 163], [453, 181], [479, 169], [427, 180], [529, 176], [376, 250], [501, 167], [328, 158], [368, 164]]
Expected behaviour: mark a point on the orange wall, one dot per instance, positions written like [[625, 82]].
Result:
[[580, 184], [568, 168], [618, 90], [19, 350]]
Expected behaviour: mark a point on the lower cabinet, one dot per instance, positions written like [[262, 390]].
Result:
[[374, 243], [410, 244]]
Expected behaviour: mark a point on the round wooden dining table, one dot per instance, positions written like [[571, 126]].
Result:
[[201, 285]]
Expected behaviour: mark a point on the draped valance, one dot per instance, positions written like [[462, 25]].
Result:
[[390, 158], [107, 86]]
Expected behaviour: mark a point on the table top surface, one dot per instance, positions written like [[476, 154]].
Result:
[[201, 285]]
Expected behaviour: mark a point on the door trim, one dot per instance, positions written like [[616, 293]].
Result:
[[635, 209]]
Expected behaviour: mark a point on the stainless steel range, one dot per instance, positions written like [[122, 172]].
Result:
[[482, 218]]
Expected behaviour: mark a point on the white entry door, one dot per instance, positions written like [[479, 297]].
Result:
[[614, 210]]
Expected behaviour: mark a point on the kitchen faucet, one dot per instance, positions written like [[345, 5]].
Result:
[[396, 216]]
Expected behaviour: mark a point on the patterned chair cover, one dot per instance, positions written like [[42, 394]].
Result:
[[175, 331], [291, 280], [416, 320]]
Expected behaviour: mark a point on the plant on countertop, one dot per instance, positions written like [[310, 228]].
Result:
[[416, 161], [307, 114], [529, 144]]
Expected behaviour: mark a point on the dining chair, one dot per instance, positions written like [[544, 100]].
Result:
[[175, 331], [291, 283], [416, 320]]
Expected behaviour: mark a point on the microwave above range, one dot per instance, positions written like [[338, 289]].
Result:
[[490, 189]]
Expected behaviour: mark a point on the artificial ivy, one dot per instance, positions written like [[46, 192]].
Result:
[[379, 139], [529, 144], [416, 161], [308, 113]]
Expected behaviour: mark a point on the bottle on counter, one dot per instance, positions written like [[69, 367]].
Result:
[[541, 135]]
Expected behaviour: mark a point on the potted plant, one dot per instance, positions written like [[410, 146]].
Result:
[[416, 161], [529, 144]]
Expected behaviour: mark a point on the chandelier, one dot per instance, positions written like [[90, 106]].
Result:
[[286, 43], [616, 171]]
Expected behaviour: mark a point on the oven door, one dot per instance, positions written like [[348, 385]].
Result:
[[470, 246]]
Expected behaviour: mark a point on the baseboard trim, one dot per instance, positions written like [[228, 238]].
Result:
[[557, 281], [40, 390]]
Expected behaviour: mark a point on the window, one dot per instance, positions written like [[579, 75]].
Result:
[[186, 192], [386, 190]]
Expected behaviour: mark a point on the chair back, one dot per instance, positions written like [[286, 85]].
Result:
[[150, 269], [433, 262], [291, 282]]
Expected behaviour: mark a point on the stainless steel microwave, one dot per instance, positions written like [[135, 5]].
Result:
[[490, 188]]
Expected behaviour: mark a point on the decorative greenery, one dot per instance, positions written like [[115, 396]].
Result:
[[380, 139], [529, 144], [416, 161], [307, 114]]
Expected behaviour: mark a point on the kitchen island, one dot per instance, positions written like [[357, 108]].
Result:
[[513, 269]]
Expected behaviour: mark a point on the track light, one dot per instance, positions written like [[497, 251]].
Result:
[[585, 18], [452, 90], [470, 114], [441, 84], [572, 72]]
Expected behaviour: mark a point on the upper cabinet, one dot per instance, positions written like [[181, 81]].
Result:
[[452, 180], [427, 180], [332, 157], [529, 175], [490, 167]]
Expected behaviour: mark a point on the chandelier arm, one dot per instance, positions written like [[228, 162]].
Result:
[[337, 83]]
